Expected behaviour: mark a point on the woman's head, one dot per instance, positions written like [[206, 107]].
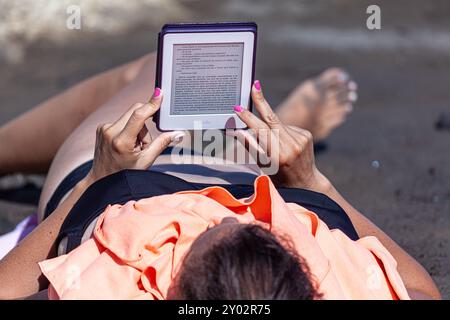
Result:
[[242, 261]]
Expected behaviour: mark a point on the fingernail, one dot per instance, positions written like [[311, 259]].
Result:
[[178, 137], [349, 108], [238, 108], [157, 92], [257, 85], [352, 96]]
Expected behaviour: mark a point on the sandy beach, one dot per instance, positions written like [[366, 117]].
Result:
[[389, 160]]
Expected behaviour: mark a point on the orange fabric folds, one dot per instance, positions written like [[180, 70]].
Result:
[[137, 248]]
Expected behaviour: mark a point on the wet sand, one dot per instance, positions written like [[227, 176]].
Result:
[[388, 159]]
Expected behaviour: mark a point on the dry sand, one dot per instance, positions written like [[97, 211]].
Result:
[[388, 159]]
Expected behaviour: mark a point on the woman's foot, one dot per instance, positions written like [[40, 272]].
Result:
[[320, 104]]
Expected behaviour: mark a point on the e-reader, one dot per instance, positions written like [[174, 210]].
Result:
[[204, 70]]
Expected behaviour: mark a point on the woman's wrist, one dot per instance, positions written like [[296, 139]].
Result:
[[316, 181], [319, 183]]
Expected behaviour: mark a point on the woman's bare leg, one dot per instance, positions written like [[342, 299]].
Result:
[[30, 142], [310, 108]]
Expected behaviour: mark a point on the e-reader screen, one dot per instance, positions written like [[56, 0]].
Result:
[[206, 78]]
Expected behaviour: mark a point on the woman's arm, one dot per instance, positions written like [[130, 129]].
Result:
[[124, 144], [294, 155], [416, 279], [20, 274]]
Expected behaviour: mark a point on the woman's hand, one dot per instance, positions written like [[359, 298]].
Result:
[[126, 144], [291, 148]]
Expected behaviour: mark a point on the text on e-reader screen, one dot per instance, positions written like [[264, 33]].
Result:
[[206, 78]]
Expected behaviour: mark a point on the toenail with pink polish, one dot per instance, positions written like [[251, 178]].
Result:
[[352, 96]]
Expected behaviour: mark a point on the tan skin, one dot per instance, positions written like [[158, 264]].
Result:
[[126, 144]]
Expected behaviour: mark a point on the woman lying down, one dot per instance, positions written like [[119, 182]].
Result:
[[133, 225]]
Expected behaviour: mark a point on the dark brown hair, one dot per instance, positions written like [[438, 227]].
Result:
[[250, 263]]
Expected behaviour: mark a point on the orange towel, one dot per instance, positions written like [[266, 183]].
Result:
[[137, 248]]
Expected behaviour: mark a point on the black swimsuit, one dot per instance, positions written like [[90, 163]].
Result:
[[127, 185]]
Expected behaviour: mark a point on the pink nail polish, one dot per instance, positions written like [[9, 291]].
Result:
[[157, 92], [238, 108], [257, 85]]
